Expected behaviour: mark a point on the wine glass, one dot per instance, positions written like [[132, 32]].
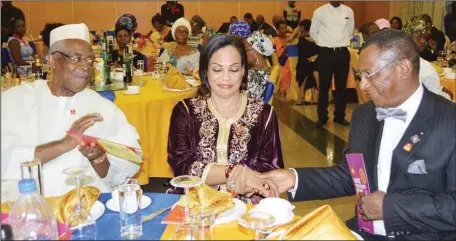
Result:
[[260, 222], [80, 225], [186, 182]]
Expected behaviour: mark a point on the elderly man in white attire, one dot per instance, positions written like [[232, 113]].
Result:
[[36, 117]]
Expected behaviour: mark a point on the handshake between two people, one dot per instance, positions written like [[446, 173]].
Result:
[[245, 181]]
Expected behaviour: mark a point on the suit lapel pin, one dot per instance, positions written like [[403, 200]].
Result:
[[408, 147], [415, 139]]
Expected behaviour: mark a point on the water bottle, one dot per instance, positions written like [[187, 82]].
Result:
[[31, 217], [355, 41]]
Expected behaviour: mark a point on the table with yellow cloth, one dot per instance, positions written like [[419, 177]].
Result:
[[149, 112]]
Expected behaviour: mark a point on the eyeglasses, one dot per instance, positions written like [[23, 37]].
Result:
[[76, 59], [359, 76]]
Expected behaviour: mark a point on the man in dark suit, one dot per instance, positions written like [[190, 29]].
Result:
[[262, 25], [436, 35], [407, 137], [248, 18], [225, 28]]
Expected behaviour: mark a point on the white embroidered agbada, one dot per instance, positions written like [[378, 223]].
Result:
[[32, 115]]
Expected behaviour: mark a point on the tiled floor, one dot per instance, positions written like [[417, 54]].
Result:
[[304, 146]]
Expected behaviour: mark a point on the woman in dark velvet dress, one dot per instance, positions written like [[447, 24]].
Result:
[[222, 135], [307, 60]]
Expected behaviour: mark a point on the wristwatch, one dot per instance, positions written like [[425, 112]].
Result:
[[98, 160]]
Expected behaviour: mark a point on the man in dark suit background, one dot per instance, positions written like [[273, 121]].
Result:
[[248, 18], [226, 26], [407, 137], [436, 35], [262, 25]]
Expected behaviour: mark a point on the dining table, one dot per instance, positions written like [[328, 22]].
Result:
[[150, 112], [449, 84]]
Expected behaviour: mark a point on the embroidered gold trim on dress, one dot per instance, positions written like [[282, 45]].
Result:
[[269, 118], [186, 107]]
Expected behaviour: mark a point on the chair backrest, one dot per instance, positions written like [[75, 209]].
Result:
[[269, 92], [145, 63], [6, 58]]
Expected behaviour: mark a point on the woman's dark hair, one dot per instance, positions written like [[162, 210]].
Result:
[[214, 44], [46, 33], [158, 18], [16, 20], [277, 25], [306, 24], [399, 20]]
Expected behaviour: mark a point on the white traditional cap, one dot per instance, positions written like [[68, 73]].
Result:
[[70, 31], [181, 22]]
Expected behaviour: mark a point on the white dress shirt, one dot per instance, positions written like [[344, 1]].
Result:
[[393, 130], [430, 78], [32, 116], [332, 27]]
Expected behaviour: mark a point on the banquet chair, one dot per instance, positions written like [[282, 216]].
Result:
[[273, 78], [6, 58], [268, 93], [145, 63]]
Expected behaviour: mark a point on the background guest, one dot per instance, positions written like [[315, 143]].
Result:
[[248, 18], [259, 47], [292, 14], [280, 43], [273, 31], [334, 58], [450, 22], [307, 71], [368, 30], [18, 47], [195, 146], [396, 23], [382, 23], [225, 28], [159, 24], [182, 56], [171, 11], [125, 26], [262, 25], [9, 14], [198, 37], [416, 27], [436, 35]]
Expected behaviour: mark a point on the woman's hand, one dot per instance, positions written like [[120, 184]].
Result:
[[244, 181]]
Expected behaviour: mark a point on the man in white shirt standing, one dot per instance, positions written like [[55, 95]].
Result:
[[406, 137], [37, 116], [332, 28]]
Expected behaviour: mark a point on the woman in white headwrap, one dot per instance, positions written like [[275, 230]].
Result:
[[259, 47], [182, 56]]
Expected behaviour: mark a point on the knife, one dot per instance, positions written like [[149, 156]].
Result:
[[154, 215]]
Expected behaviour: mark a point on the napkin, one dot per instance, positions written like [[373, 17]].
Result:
[[175, 80], [207, 196], [63, 206], [321, 224]]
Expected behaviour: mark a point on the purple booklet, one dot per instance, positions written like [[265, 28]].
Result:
[[358, 172]]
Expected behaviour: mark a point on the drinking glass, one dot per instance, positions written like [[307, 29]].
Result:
[[130, 211], [33, 169], [24, 71], [260, 222], [186, 182], [80, 225], [140, 67], [200, 226]]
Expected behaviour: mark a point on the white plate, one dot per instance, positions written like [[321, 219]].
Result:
[[176, 90], [114, 206], [232, 214], [450, 76], [278, 221], [97, 210], [357, 235], [126, 92]]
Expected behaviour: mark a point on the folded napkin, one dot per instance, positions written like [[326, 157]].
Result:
[[206, 196], [175, 80], [64, 205], [321, 224]]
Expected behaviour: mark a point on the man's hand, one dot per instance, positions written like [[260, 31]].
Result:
[[91, 151], [281, 179], [372, 206], [80, 126], [247, 183]]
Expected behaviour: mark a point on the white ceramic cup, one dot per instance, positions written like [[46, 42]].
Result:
[[134, 89], [280, 208]]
